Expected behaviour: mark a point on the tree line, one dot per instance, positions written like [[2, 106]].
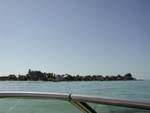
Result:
[[39, 76]]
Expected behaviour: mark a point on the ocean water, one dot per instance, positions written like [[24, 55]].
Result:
[[115, 89], [135, 90]]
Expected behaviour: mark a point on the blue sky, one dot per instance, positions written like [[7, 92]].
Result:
[[104, 37]]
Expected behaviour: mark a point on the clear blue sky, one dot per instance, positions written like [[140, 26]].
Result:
[[105, 37]]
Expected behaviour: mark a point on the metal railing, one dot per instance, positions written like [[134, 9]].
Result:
[[79, 101], [36, 95]]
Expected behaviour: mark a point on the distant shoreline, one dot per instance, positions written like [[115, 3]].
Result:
[[39, 76]]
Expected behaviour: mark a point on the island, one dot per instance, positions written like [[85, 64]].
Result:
[[40, 76]]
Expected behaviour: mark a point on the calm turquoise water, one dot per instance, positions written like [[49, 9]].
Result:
[[136, 90], [117, 89]]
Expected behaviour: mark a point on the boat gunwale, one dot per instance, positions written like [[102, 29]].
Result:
[[77, 98], [34, 95], [112, 101]]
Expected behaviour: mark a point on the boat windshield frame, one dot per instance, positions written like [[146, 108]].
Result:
[[80, 101]]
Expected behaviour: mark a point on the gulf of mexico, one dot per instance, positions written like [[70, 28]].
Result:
[[138, 90]]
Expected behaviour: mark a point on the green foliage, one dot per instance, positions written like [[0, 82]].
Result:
[[12, 77], [22, 78], [38, 75]]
